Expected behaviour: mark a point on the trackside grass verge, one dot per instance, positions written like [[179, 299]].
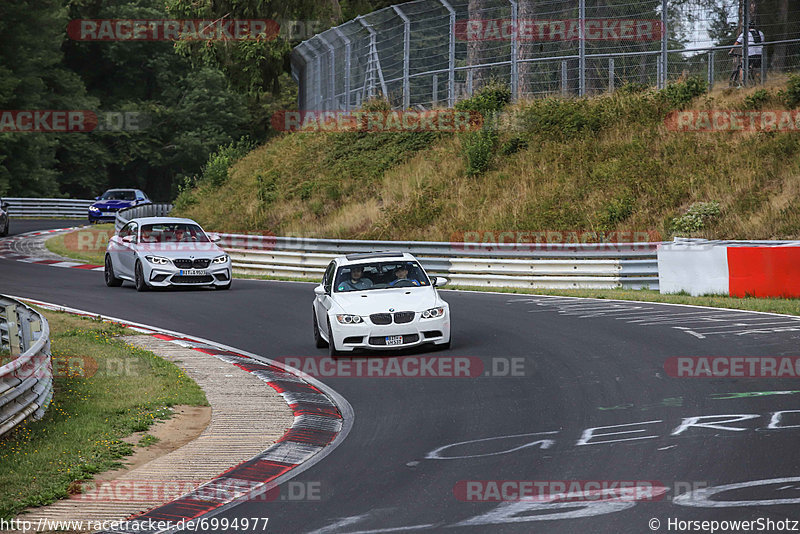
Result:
[[93, 252], [768, 305], [105, 390]]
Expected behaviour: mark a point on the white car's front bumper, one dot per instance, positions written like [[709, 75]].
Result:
[[367, 335]]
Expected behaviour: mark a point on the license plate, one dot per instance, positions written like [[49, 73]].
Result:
[[394, 340], [192, 272], [109, 214]]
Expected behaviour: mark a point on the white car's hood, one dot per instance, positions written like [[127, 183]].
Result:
[[365, 303]]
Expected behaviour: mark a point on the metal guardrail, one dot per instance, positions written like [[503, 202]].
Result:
[[584, 265], [135, 212], [26, 381], [533, 265], [68, 208]]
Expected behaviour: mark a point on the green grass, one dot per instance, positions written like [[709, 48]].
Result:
[[70, 245], [604, 164], [105, 390]]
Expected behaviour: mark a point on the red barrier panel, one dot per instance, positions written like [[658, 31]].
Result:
[[764, 271]]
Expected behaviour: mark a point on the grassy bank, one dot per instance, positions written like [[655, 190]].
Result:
[[105, 390], [608, 163], [91, 250]]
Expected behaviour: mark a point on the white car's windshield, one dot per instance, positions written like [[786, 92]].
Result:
[[119, 195], [379, 275], [173, 233]]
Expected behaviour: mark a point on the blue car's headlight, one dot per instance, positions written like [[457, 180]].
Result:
[[157, 260], [92, 208], [220, 259]]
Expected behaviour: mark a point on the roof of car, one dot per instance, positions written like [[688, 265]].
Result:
[[368, 257], [123, 189], [163, 220]]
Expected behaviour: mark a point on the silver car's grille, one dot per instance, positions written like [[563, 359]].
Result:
[[191, 264]]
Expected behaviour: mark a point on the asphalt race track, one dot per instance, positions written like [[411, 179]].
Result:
[[581, 364]]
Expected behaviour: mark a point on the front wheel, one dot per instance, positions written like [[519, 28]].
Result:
[[226, 286], [141, 284], [111, 279], [332, 352], [320, 343]]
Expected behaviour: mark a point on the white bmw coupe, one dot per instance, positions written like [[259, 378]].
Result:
[[380, 300]]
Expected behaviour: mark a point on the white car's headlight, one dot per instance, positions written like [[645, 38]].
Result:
[[92, 208], [433, 313], [157, 260], [348, 319], [221, 259]]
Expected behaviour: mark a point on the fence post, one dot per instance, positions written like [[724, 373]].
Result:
[[331, 72], [469, 82], [710, 69], [746, 44], [451, 56], [582, 48], [347, 63], [435, 91], [763, 64], [564, 70], [514, 49], [406, 56], [662, 81], [374, 60], [610, 74], [13, 330]]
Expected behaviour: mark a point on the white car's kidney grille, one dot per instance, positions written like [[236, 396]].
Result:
[[381, 318], [403, 317], [189, 264]]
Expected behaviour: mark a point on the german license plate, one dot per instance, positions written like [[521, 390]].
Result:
[[394, 340], [108, 214], [192, 272]]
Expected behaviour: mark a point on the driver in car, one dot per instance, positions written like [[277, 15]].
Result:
[[356, 281], [401, 274]]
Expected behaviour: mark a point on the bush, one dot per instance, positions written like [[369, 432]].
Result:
[[679, 94], [757, 99], [479, 149], [696, 217], [215, 171], [791, 96], [479, 146], [492, 98], [513, 145]]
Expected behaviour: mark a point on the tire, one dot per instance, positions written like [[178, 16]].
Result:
[[111, 279], [141, 284], [223, 288], [332, 352], [318, 341], [444, 346]]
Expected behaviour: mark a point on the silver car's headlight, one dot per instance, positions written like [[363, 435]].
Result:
[[348, 319], [157, 260], [433, 313], [92, 208], [220, 259]]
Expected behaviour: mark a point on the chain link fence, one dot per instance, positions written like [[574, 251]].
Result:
[[431, 53]]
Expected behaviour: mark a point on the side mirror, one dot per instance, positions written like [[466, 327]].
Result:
[[215, 238], [440, 281], [97, 198], [320, 290], [128, 239]]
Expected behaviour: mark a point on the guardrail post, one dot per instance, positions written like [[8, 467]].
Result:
[[14, 344], [347, 63], [451, 56], [406, 56], [582, 48]]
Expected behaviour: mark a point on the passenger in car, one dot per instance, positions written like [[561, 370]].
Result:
[[357, 280]]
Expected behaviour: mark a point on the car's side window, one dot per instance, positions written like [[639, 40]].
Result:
[[126, 230], [327, 280]]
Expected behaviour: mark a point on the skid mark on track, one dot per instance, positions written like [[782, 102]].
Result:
[[697, 323]]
